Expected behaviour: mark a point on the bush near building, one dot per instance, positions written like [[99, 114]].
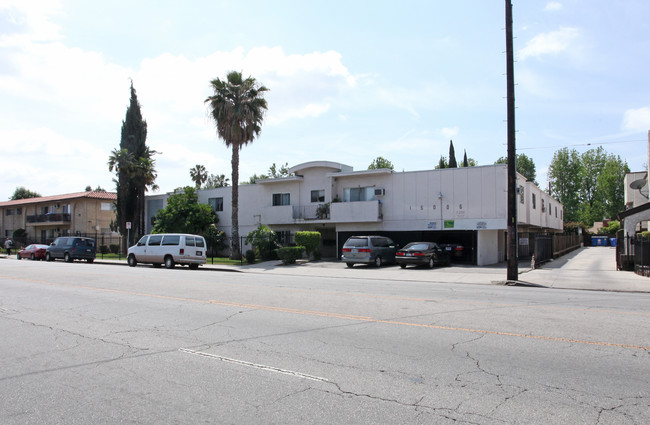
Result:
[[290, 254], [309, 240]]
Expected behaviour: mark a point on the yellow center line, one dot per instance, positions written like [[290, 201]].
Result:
[[316, 313]]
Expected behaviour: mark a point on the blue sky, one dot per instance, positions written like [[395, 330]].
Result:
[[349, 81]]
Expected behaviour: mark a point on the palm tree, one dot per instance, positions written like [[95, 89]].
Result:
[[199, 175], [237, 107]]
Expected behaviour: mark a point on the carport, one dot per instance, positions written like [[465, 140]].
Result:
[[467, 238]]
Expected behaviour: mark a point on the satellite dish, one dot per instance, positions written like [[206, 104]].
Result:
[[638, 184], [641, 185]]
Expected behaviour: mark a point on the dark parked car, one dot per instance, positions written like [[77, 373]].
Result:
[[422, 254], [71, 248], [455, 250], [375, 250], [33, 252]]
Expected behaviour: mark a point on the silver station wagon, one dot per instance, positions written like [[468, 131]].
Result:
[[168, 249]]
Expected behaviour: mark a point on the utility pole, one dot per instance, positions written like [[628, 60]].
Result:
[[513, 256]]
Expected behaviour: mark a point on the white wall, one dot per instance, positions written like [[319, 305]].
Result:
[[487, 247]]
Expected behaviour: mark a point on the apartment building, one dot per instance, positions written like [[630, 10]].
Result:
[[48, 217], [465, 206]]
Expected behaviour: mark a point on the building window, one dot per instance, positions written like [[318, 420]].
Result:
[[284, 237], [543, 208], [106, 206], [281, 199], [19, 211], [216, 203], [534, 202], [357, 194], [318, 196], [521, 194], [550, 209], [9, 211], [555, 212], [45, 209]]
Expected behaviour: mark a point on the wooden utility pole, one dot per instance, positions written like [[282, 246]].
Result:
[[513, 255]]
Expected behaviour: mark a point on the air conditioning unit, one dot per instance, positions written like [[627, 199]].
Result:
[[380, 191]]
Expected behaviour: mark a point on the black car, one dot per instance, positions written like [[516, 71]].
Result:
[[71, 248], [422, 254]]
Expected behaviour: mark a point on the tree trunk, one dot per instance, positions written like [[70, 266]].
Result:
[[235, 253]]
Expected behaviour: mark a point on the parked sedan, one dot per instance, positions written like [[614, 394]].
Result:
[[455, 250], [422, 254], [33, 252]]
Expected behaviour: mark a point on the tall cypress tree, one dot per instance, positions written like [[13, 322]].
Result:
[[135, 170], [452, 156]]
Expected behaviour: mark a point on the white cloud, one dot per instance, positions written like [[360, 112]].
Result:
[[637, 119], [553, 6], [449, 132], [549, 43]]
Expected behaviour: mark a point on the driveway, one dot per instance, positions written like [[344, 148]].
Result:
[[591, 268]]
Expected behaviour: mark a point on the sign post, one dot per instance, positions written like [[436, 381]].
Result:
[[128, 233]]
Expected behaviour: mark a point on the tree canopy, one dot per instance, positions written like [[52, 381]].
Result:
[[135, 171], [524, 165], [216, 181], [184, 214], [452, 156], [589, 185], [23, 193], [237, 108], [199, 175], [380, 162]]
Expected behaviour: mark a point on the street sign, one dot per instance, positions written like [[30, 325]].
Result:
[[128, 224]]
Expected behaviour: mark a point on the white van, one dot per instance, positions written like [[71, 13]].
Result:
[[168, 249]]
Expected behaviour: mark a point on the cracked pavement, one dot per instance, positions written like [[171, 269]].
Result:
[[103, 345]]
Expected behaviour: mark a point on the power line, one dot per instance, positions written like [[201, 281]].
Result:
[[581, 144]]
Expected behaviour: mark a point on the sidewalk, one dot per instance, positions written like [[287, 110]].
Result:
[[589, 268]]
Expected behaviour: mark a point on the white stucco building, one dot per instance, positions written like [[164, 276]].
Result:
[[455, 205]]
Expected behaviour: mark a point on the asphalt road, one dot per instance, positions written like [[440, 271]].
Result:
[[100, 344]]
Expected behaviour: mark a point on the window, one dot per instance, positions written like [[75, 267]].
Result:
[[281, 199], [216, 204], [189, 240], [9, 211], [284, 237], [106, 206], [45, 210], [170, 240], [318, 196], [543, 209], [200, 242], [357, 194], [521, 194], [555, 212], [534, 201], [142, 241], [550, 209], [19, 211], [154, 240]]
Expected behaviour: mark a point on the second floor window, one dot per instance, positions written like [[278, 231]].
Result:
[[534, 201], [318, 196], [216, 203], [356, 194], [281, 199]]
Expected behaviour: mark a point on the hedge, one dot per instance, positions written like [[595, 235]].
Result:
[[290, 254]]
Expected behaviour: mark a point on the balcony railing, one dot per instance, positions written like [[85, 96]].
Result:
[[311, 212], [48, 218]]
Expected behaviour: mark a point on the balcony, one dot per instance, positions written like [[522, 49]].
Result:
[[337, 212], [51, 218], [356, 212]]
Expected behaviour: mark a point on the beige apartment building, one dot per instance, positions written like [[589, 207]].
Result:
[[47, 217]]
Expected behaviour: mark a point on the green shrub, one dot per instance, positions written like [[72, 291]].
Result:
[[103, 249], [114, 248], [310, 240], [250, 256], [290, 254], [264, 240], [645, 235]]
